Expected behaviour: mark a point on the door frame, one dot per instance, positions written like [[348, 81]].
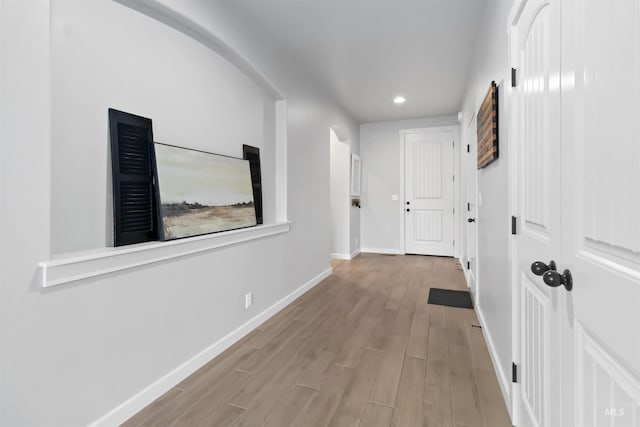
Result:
[[457, 227], [512, 60], [512, 189], [471, 169], [343, 207]]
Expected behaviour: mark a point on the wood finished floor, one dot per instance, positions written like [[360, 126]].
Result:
[[362, 348]]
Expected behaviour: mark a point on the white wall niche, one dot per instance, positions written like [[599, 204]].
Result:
[[173, 71]]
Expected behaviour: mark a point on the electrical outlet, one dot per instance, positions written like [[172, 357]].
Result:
[[248, 300]]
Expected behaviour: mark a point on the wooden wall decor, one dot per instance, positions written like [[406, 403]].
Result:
[[488, 128]]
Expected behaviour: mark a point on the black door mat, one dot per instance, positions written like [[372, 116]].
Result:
[[450, 298]]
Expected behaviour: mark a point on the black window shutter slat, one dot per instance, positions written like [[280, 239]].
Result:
[[134, 205], [253, 155]]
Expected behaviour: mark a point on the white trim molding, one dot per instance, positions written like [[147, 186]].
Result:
[[505, 384], [383, 251], [347, 257], [132, 406], [84, 265]]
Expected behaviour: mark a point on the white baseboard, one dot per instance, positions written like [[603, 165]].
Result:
[[382, 251], [505, 384], [347, 257], [132, 406]]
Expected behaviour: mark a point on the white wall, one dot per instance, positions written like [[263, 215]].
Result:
[[73, 353], [158, 73], [340, 200], [494, 288], [380, 152]]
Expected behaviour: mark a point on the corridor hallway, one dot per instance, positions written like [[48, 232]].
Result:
[[361, 348]]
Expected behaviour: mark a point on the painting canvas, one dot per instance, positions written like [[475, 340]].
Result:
[[201, 193]]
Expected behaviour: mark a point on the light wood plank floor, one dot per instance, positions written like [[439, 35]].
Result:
[[363, 348]]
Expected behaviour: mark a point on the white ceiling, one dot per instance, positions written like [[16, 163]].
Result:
[[365, 52]]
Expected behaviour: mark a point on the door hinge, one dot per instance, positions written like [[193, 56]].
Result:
[[454, 243], [468, 265], [454, 177], [453, 143], [514, 373], [513, 77], [514, 223], [468, 148], [454, 211], [468, 207]]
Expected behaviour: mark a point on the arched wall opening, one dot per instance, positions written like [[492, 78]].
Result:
[[340, 157]]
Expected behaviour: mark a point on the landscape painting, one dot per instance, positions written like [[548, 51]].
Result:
[[201, 193]]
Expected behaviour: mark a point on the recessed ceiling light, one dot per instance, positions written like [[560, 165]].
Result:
[[399, 100]]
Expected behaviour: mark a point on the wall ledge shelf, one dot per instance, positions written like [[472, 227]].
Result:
[[72, 267]]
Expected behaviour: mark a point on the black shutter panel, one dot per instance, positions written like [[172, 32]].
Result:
[[134, 218], [253, 155]]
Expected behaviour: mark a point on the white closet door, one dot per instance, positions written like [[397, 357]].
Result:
[[601, 199], [535, 39]]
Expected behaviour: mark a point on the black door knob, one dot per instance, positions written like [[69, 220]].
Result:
[[539, 268], [408, 203], [555, 279], [408, 209], [471, 220]]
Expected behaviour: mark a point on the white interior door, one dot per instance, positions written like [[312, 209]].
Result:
[[601, 181], [535, 40], [578, 198], [429, 193], [472, 208]]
